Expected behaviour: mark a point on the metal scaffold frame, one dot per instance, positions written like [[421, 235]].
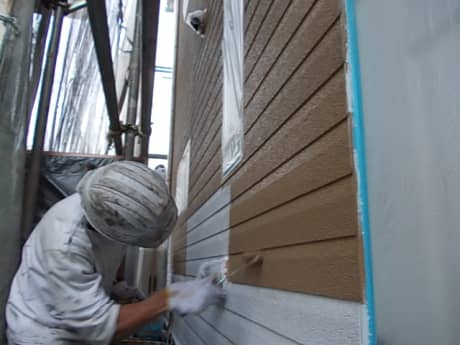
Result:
[[141, 75]]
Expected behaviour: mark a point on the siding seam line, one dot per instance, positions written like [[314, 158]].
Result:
[[279, 165], [266, 44], [288, 118], [258, 29], [312, 50], [312, 5]]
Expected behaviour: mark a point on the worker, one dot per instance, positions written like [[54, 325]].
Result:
[[60, 294]]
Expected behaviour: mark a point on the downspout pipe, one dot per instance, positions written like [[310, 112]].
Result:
[[33, 176], [359, 152]]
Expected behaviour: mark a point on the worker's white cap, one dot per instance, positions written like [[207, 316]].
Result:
[[129, 203]]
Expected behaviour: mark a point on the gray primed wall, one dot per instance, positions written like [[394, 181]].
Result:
[[410, 56], [254, 315], [14, 70]]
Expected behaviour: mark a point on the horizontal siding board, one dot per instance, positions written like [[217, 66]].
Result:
[[211, 226], [241, 331], [319, 19], [305, 319], [215, 203], [211, 162], [207, 332], [323, 111], [249, 13], [210, 42], [208, 190], [256, 22], [211, 110], [188, 45], [209, 101], [205, 91], [209, 149], [211, 247], [212, 86], [326, 161], [192, 267], [204, 178], [184, 333], [327, 268], [316, 73], [269, 25], [215, 224], [213, 145], [178, 235], [278, 42], [311, 73], [179, 267], [327, 213]]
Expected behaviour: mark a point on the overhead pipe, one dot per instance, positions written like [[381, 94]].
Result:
[[33, 177], [150, 17]]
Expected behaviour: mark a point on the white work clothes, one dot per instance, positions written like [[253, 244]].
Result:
[[60, 294]]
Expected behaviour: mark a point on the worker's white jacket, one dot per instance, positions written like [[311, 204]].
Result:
[[60, 294]]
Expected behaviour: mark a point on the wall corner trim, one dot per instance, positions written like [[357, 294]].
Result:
[[359, 153]]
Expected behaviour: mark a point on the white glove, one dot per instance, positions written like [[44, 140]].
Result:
[[194, 296]]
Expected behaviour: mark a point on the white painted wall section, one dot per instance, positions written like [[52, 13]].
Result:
[[254, 315]]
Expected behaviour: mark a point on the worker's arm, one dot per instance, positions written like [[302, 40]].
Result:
[[190, 297], [135, 315]]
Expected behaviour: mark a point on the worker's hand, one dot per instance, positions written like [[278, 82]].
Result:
[[194, 296]]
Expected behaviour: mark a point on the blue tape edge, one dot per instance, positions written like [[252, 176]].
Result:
[[359, 152]]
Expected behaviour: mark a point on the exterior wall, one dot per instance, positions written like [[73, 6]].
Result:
[[293, 196], [411, 115]]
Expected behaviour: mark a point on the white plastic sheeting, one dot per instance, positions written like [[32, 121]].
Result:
[[182, 180], [232, 51], [5, 28]]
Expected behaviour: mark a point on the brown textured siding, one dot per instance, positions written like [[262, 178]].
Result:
[[293, 196]]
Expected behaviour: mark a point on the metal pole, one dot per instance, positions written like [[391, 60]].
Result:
[[76, 6], [133, 95], [124, 91], [97, 14], [157, 156], [40, 48], [150, 17], [33, 176]]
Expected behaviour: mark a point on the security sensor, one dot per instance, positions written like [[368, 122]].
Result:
[[196, 20]]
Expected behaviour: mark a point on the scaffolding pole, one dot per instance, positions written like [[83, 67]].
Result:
[[150, 16], [97, 13], [33, 177], [133, 94]]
